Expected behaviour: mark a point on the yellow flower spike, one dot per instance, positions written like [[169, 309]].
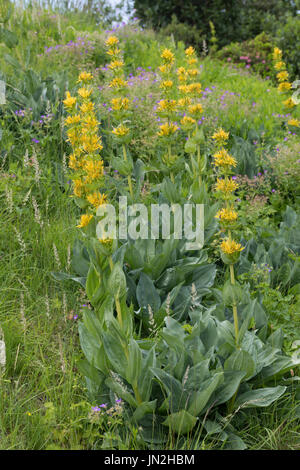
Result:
[[121, 131], [277, 53], [166, 85], [187, 123], [227, 215], [120, 104], [97, 199], [168, 56], [87, 107], [73, 137], [192, 61], [167, 130], [193, 72], [116, 64], [190, 51], [114, 53], [223, 159], [220, 136], [289, 103], [94, 170], [279, 65], [85, 92], [195, 109], [284, 86], [91, 123], [165, 68], [117, 83], [195, 88], [181, 71], [78, 187], [230, 246], [226, 186], [84, 220], [72, 119], [282, 76], [111, 41], [167, 105], [85, 77], [185, 89], [70, 101], [184, 102], [73, 162], [294, 122], [91, 143]]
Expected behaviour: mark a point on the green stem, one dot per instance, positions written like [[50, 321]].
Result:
[[234, 307], [129, 177], [170, 156]]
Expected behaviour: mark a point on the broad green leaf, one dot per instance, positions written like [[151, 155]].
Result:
[[134, 363], [261, 397], [278, 368], [198, 400], [181, 422], [147, 294], [115, 352], [234, 442], [80, 259], [117, 281], [59, 276], [147, 407], [226, 391], [241, 361], [93, 284], [178, 398], [146, 376], [197, 375]]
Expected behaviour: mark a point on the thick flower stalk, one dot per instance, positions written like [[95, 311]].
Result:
[[120, 103], [190, 91], [167, 106], [284, 86], [85, 160], [227, 215]]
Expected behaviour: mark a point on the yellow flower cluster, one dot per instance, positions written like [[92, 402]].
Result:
[[220, 136], [167, 130], [227, 215], [284, 85], [187, 123], [283, 75], [85, 160], [294, 122], [167, 105], [224, 160], [231, 247], [121, 131], [118, 84], [120, 104], [225, 187], [190, 90]]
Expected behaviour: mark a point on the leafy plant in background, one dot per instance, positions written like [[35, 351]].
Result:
[[253, 54]]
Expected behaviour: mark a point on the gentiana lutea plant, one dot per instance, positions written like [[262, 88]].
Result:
[[195, 363]]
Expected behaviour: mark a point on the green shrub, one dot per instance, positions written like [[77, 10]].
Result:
[[254, 54], [191, 35]]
